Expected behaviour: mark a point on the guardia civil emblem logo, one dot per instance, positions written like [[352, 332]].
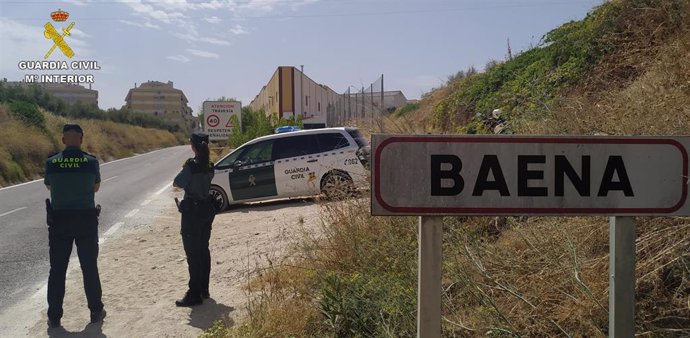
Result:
[[58, 39]]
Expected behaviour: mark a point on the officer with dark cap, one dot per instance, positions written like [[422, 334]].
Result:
[[198, 212], [73, 177]]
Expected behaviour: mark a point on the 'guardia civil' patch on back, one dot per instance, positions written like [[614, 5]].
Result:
[[71, 175]]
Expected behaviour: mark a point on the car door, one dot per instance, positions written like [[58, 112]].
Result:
[[252, 176], [222, 168], [297, 170]]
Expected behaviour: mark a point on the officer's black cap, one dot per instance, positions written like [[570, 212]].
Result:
[[72, 127], [198, 138]]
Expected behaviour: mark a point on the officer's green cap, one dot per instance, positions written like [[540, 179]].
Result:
[[198, 138], [72, 127]]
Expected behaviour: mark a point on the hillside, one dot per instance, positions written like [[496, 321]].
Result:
[[30, 136], [622, 70], [591, 76]]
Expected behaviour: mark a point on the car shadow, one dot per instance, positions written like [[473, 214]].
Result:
[[272, 204], [204, 315]]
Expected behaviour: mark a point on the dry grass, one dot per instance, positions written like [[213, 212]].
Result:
[[24, 149], [656, 103]]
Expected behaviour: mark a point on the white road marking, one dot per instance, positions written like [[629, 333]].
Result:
[[113, 229], [132, 213], [127, 158], [144, 203], [21, 184], [11, 211], [108, 179], [162, 190]]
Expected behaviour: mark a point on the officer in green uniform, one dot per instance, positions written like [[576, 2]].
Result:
[[73, 178], [198, 212]]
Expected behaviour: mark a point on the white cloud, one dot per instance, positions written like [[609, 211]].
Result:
[[213, 19], [194, 37], [78, 33], [77, 2], [202, 53], [148, 11], [215, 41], [178, 58], [238, 30], [139, 24], [213, 4]]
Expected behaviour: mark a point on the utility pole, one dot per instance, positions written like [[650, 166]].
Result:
[[301, 90]]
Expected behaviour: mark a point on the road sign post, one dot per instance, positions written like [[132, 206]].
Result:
[[429, 277], [520, 175], [621, 277]]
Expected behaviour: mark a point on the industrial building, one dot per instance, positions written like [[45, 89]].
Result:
[[289, 92]]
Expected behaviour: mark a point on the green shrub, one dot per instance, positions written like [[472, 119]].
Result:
[[28, 113], [406, 109], [256, 124]]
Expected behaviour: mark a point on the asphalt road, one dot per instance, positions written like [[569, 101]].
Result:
[[127, 185]]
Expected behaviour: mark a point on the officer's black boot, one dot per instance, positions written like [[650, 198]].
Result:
[[97, 316], [190, 299], [53, 323]]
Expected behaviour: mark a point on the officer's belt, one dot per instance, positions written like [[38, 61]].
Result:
[[76, 212]]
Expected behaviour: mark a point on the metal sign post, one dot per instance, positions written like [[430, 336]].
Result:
[[430, 242], [622, 277]]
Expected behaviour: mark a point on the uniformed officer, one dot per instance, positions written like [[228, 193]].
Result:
[[73, 177], [198, 213]]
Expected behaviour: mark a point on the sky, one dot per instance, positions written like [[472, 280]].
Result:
[[231, 48]]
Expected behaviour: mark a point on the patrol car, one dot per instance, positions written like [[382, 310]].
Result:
[[329, 161]]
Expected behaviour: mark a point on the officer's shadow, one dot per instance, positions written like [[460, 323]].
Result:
[[203, 316], [94, 330]]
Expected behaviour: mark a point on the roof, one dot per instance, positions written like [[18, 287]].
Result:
[[294, 133]]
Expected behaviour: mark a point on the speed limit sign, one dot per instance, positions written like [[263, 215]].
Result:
[[212, 120]]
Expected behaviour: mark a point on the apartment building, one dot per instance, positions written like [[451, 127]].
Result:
[[159, 99]]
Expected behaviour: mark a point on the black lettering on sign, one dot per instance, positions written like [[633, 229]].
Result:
[[581, 183], [491, 165], [615, 165], [525, 175], [438, 174]]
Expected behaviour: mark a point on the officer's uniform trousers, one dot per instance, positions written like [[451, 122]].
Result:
[[197, 217], [65, 228]]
